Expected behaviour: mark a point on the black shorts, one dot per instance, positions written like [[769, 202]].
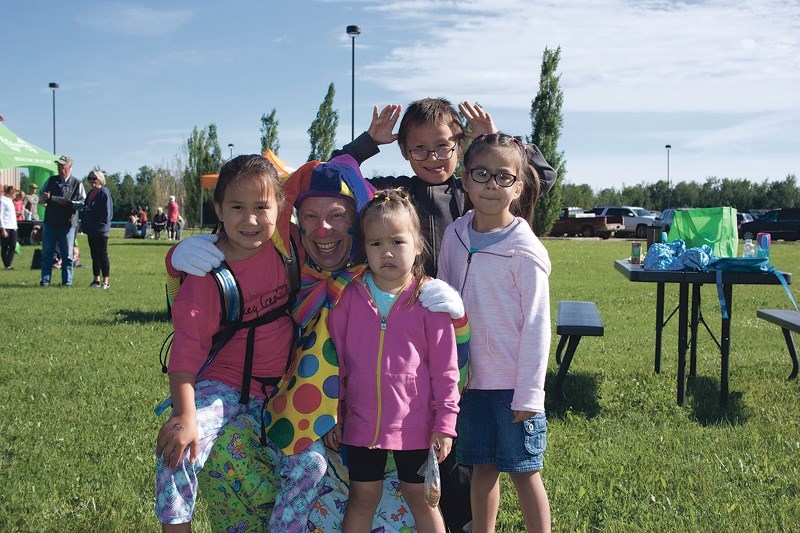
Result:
[[367, 464]]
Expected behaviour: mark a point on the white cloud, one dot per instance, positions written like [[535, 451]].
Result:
[[616, 55], [135, 20]]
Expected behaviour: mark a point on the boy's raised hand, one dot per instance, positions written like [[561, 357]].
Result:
[[383, 123], [480, 120]]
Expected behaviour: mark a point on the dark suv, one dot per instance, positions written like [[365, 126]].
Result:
[[779, 223]]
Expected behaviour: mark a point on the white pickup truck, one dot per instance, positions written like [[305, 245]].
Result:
[[636, 219]]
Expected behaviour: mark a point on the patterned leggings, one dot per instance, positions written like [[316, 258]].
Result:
[[299, 476]]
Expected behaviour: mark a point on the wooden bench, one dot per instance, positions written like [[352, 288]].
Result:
[[575, 320], [789, 321]]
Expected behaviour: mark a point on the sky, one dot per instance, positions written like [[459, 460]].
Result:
[[717, 80]]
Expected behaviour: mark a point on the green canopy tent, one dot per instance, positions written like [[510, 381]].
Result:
[[16, 152]]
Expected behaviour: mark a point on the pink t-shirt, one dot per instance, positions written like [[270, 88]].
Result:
[[173, 209], [196, 316]]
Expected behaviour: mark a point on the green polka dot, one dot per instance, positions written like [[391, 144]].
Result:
[[281, 433], [329, 353]]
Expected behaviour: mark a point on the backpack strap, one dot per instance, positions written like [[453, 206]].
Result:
[[232, 312]]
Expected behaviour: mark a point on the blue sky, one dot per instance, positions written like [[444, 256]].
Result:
[[717, 80]]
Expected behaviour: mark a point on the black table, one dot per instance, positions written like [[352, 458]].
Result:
[[684, 279]]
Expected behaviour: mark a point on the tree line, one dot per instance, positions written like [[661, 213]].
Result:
[[742, 194]]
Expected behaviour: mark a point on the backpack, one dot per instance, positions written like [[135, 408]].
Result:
[[232, 312]]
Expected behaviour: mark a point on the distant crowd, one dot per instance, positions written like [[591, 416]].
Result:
[[171, 222]]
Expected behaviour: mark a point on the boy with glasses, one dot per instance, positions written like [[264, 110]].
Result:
[[431, 138]]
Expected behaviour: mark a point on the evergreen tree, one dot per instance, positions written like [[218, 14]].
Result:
[[269, 132], [322, 133], [547, 121]]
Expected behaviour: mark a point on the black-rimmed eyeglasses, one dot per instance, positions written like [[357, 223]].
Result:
[[481, 175], [441, 154]]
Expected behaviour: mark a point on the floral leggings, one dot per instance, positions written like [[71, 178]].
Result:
[[298, 476]]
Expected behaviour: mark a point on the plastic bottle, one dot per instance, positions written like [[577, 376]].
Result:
[[749, 248], [763, 244]]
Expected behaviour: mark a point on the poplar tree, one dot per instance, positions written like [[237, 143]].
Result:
[[547, 122], [322, 133], [269, 132], [204, 156]]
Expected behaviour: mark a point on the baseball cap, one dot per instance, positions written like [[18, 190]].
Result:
[[64, 160]]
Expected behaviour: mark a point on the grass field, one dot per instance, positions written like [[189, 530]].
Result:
[[79, 376]]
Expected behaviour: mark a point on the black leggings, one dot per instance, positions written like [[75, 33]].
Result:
[[8, 247], [98, 245]]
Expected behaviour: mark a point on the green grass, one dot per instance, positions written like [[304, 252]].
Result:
[[79, 376]]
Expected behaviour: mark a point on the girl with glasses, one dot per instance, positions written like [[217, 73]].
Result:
[[501, 270]]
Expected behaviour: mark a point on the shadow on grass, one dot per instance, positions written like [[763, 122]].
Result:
[[140, 317], [580, 390], [141, 242], [703, 398]]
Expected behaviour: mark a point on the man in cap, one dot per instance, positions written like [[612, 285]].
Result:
[[63, 195]]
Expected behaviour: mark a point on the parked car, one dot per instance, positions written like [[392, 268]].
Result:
[[779, 223], [665, 218], [574, 221], [742, 217], [636, 219]]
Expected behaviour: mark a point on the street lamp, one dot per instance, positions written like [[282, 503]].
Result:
[[668, 146], [230, 145], [352, 31], [54, 86]]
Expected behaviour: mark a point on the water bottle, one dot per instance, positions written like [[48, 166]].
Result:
[[749, 248], [762, 244]]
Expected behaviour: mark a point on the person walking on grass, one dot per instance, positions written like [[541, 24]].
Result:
[[96, 224], [501, 270]]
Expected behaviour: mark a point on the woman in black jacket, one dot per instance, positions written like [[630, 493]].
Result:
[[96, 224]]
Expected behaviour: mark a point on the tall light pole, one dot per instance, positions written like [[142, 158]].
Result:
[[352, 31], [54, 86], [668, 146], [230, 145]]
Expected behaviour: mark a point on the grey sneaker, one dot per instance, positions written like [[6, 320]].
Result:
[[105, 285], [94, 285]]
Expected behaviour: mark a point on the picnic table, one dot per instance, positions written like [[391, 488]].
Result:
[[690, 316]]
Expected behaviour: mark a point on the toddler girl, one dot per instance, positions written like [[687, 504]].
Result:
[[398, 372]]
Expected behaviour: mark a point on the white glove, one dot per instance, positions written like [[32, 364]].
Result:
[[197, 255], [439, 297]]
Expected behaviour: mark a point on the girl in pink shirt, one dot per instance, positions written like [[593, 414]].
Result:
[[247, 199]]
